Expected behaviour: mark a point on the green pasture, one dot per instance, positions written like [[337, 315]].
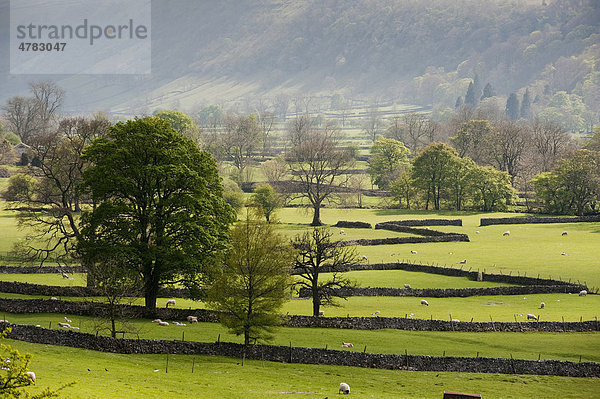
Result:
[[55, 279], [530, 345], [502, 308], [143, 376], [397, 279]]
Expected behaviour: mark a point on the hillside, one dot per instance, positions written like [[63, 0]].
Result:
[[218, 51]]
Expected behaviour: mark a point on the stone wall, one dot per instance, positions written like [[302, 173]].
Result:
[[532, 219], [407, 323], [359, 323], [450, 292], [405, 240], [426, 222], [78, 291], [353, 225], [290, 354], [412, 230], [44, 269], [451, 271]]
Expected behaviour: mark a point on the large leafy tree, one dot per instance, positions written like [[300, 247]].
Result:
[[253, 282], [266, 201], [389, 159], [432, 171], [318, 254], [573, 186], [491, 188], [157, 198]]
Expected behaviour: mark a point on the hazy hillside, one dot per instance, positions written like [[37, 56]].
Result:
[[217, 51]]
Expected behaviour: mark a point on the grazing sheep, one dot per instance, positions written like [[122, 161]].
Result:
[[455, 320], [413, 252], [564, 233], [542, 305], [582, 293], [178, 323], [65, 275], [344, 388], [67, 320], [192, 319], [364, 258], [53, 298], [477, 232], [506, 233], [342, 232], [163, 323], [64, 325], [463, 261], [321, 313], [156, 321], [424, 302], [170, 302], [563, 253], [450, 253], [347, 345], [31, 376], [531, 316], [407, 286], [377, 312]]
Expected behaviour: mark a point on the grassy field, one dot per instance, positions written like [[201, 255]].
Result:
[[530, 249], [479, 308], [531, 345], [143, 376]]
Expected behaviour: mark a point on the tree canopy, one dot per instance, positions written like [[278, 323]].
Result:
[[158, 199]]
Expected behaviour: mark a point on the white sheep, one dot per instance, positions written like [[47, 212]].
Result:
[[170, 302], [65, 275], [67, 320], [53, 298], [506, 233], [424, 302], [413, 252], [163, 323], [156, 321], [542, 305], [344, 388], [531, 316], [407, 286], [364, 257], [563, 253], [377, 312], [462, 262], [477, 232], [582, 293], [564, 233], [192, 319], [347, 345], [64, 325], [31, 376], [342, 232], [178, 323], [321, 313], [455, 320]]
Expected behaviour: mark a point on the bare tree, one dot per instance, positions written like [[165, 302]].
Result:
[[31, 116], [240, 140], [318, 254], [508, 145], [550, 142], [58, 175], [20, 116], [418, 131], [318, 165], [373, 123]]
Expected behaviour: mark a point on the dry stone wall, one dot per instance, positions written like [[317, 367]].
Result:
[[301, 355], [532, 219]]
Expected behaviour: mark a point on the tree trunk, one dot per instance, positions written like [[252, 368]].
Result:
[[246, 336], [317, 215], [150, 294], [316, 301]]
